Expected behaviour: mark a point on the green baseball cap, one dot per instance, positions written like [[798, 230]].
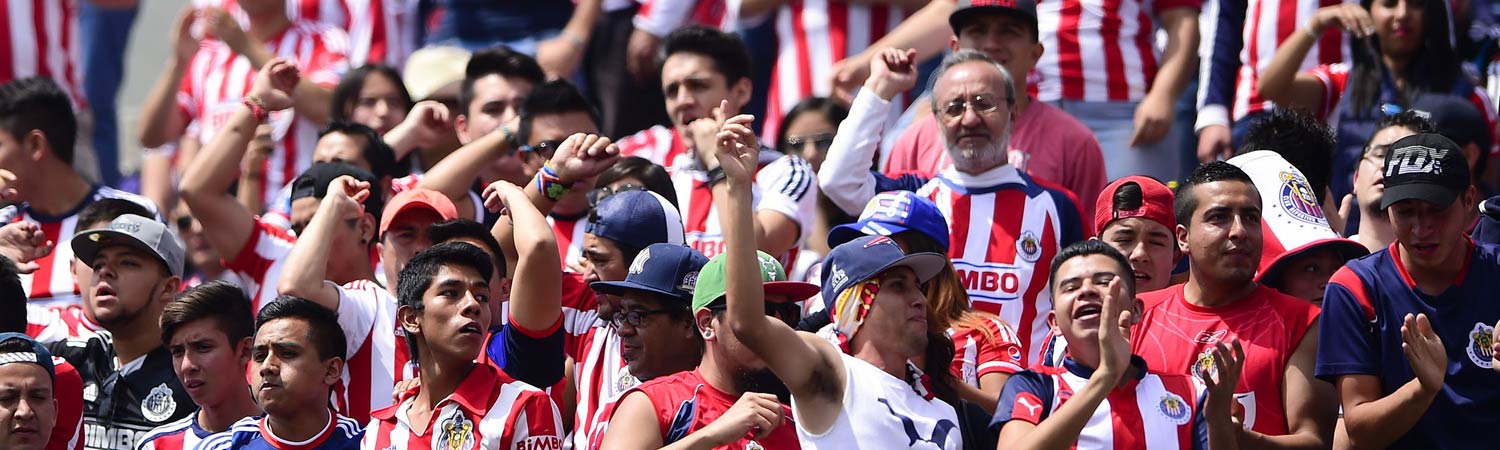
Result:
[[711, 285]]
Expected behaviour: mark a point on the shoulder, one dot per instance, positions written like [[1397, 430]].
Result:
[[242, 429], [174, 428], [1159, 298], [656, 135]]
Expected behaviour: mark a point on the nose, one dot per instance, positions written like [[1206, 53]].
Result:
[[381, 108], [1138, 253], [25, 410], [970, 118], [681, 97], [470, 306]]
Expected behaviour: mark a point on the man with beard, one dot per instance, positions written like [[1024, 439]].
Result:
[[1218, 213], [55, 323], [1002, 222], [730, 395], [129, 385]]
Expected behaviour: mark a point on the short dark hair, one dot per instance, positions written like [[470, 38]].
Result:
[[38, 103], [1088, 247], [453, 230], [106, 210], [1299, 138], [322, 323], [553, 97], [1128, 197], [834, 111], [346, 93], [378, 154], [417, 276], [1185, 203], [220, 301], [1408, 119], [654, 175], [499, 60], [728, 52], [12, 298]]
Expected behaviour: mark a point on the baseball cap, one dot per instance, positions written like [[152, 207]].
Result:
[[636, 217], [434, 71], [136, 231], [711, 281], [867, 257], [1156, 203], [38, 354], [1427, 167], [1455, 118], [418, 199], [314, 181], [892, 212], [968, 9], [666, 269], [1292, 220]]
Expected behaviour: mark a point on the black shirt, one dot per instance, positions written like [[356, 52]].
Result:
[[122, 404]]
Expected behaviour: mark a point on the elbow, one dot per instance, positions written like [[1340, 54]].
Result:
[[293, 285]]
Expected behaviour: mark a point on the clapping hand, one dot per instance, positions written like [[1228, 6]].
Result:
[[1424, 351]]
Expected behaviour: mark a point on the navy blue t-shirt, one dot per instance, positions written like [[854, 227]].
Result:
[[1363, 310]]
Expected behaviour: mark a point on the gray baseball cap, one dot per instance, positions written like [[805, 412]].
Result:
[[129, 229]]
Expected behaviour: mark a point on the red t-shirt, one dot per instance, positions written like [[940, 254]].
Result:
[[67, 388], [685, 403], [1176, 337]]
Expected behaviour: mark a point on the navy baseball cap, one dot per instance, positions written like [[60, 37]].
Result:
[[38, 354], [893, 212], [1427, 167], [635, 218], [666, 269], [1455, 118], [867, 257]]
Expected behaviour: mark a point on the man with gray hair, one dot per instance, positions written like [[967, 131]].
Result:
[[1001, 221]]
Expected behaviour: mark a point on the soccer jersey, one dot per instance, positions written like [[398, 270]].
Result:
[[123, 403], [601, 377], [253, 433], [41, 39], [1151, 410], [1177, 337], [260, 261], [217, 79], [52, 284], [377, 351], [184, 434], [489, 410], [659, 144], [373, 26], [685, 403], [67, 433], [889, 413], [1364, 308], [52, 324], [569, 232], [1334, 79], [784, 184], [1241, 37], [977, 352], [1098, 50]]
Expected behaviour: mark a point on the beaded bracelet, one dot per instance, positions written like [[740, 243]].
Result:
[[550, 184], [257, 107]]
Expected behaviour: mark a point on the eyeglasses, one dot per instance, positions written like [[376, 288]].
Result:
[[819, 141], [544, 148], [597, 195], [633, 317], [1376, 153], [787, 312], [981, 104]]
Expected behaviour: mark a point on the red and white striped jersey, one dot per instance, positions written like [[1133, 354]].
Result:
[[489, 410], [67, 433], [813, 35], [377, 351], [260, 261], [53, 284], [180, 435], [1239, 39], [601, 377], [659, 144], [41, 39], [217, 79], [784, 184], [56, 323], [1151, 411], [661, 17], [1098, 50], [569, 238], [373, 26], [982, 352], [1005, 227]]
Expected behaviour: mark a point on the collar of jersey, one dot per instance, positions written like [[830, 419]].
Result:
[[983, 182], [1084, 372], [473, 395], [1395, 251]]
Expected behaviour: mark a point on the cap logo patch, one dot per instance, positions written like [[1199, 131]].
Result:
[[688, 281], [1416, 159], [879, 240], [639, 265], [889, 208], [128, 227], [768, 268], [838, 278], [1298, 201]]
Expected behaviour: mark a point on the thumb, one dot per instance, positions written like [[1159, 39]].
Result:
[[1346, 205], [28, 267]]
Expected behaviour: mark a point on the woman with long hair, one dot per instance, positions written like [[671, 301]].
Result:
[[375, 96], [1401, 50]]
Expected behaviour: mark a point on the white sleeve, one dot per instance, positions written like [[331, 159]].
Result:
[[359, 302], [788, 186], [846, 177]]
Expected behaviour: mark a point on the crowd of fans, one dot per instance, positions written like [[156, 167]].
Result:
[[757, 224]]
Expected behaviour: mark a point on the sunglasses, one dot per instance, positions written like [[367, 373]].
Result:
[[544, 149], [821, 142]]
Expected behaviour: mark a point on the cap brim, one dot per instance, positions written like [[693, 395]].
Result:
[[407, 208], [1348, 250], [926, 265], [795, 291], [620, 287], [85, 248], [1431, 193], [842, 234]]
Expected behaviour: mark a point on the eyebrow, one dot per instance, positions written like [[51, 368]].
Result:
[[279, 346]]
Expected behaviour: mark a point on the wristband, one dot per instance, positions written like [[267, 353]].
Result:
[[550, 184], [716, 176], [257, 107]]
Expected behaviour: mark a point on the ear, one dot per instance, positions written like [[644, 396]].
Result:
[[1471, 154], [335, 371], [705, 322], [1137, 308], [1182, 237], [953, 42], [461, 128], [741, 94], [171, 286], [35, 145], [367, 228], [242, 350], [1052, 320], [1037, 50], [409, 320]]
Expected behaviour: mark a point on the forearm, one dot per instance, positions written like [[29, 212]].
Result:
[[456, 173], [927, 31], [314, 102], [746, 303], [845, 177], [1061, 429], [536, 287], [581, 24], [1181, 54], [504, 231], [307, 263], [402, 139], [248, 191], [1276, 80], [1379, 423], [161, 121], [212, 170], [1223, 434]]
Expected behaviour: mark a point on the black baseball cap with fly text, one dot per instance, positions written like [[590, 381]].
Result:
[[1427, 167]]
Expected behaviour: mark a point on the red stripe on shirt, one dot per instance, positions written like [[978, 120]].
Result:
[[7, 64], [1069, 53], [804, 59], [1125, 413]]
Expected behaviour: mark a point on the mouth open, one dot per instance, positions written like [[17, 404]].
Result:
[[470, 328], [1087, 311]]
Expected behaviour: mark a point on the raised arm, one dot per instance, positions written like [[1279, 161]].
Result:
[[307, 264], [578, 161], [536, 287], [1280, 82], [1218, 72], [456, 172], [423, 126], [205, 183], [846, 177], [927, 31], [561, 55], [811, 369], [1376, 421], [1153, 118], [162, 120]]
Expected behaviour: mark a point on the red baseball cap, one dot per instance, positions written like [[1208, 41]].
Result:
[[416, 200], [1156, 203]]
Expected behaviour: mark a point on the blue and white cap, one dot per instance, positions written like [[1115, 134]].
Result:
[[38, 354], [893, 212], [636, 218]]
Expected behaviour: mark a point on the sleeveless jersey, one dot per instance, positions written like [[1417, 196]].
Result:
[[890, 415], [685, 403]]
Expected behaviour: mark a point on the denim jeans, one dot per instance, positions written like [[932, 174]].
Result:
[[103, 34], [1113, 123]]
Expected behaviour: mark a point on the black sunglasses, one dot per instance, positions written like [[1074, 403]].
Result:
[[545, 148]]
